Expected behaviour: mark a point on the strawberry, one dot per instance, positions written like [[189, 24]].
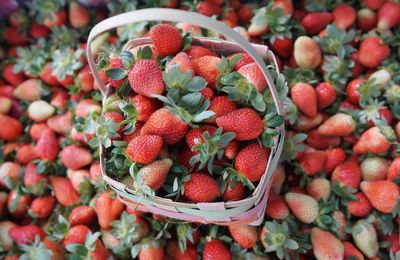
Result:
[[326, 245], [5, 105], [115, 63], [47, 146], [85, 79], [116, 118], [39, 111], [259, 24], [151, 250], [18, 204], [276, 207], [61, 124], [307, 123], [319, 188], [26, 234], [372, 52], [46, 75], [82, 215], [364, 235], [335, 157], [221, 105], [351, 91], [383, 195], [32, 179], [185, 27], [360, 208], [326, 95], [348, 174], [63, 191], [145, 78], [246, 236], [79, 17], [372, 141], [208, 9], [341, 223], [388, 15], [36, 130], [9, 170], [174, 251], [195, 52], [245, 13], [56, 19], [344, 16], [145, 107], [11, 77], [108, 209], [231, 150], [155, 173], [3, 204], [182, 59], [38, 31], [394, 169], [313, 23], [42, 207], [207, 93], [304, 207], [14, 37], [393, 239], [373, 4], [206, 67], [215, 249], [374, 169], [351, 251], [195, 135], [283, 47], [57, 251], [252, 161], [244, 122], [166, 39], [339, 124], [75, 157], [244, 60], [26, 153], [307, 53], [165, 124], [6, 241], [313, 163], [13, 130], [77, 177], [305, 98], [201, 188], [366, 19], [254, 75], [144, 149], [233, 192], [318, 141], [29, 90]]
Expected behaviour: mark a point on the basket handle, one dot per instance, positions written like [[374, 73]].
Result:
[[173, 15]]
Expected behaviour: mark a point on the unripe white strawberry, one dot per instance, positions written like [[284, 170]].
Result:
[[381, 77], [304, 207], [319, 188], [30, 90], [5, 239], [374, 169], [109, 240], [364, 235], [5, 105], [40, 110], [307, 53]]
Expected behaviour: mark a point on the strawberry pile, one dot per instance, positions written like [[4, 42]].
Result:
[[198, 126]]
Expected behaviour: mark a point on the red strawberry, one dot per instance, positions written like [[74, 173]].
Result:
[[182, 59], [14, 37], [283, 47], [32, 178], [231, 150], [372, 52], [351, 91], [195, 52], [326, 245], [307, 123], [252, 161], [61, 124], [47, 146], [11, 77], [388, 15], [144, 149], [319, 188], [373, 141], [244, 60], [75, 157], [344, 16], [208, 9], [373, 4], [348, 174], [145, 106], [117, 118], [201, 188], [85, 79], [318, 141], [151, 250], [326, 95], [38, 31], [77, 177], [374, 169], [174, 251], [335, 157], [246, 236], [339, 124], [46, 75], [215, 249], [221, 105], [207, 93], [195, 135], [155, 173], [393, 238], [108, 209], [254, 75], [304, 207], [56, 19], [42, 207], [244, 122], [166, 39], [26, 153], [276, 207], [146, 78], [360, 208], [351, 251], [82, 215], [9, 170], [17, 204], [13, 130], [206, 67], [79, 17], [305, 98], [36, 130], [115, 63], [313, 23], [366, 19], [165, 124], [233, 192], [57, 251], [394, 169], [26, 234], [313, 163], [63, 191], [185, 27], [383, 195], [307, 53]]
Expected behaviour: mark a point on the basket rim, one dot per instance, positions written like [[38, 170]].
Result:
[[257, 196]]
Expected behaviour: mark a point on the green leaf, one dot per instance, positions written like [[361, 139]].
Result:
[[116, 73], [127, 59], [144, 53]]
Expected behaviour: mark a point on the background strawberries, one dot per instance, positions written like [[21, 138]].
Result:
[[334, 195]]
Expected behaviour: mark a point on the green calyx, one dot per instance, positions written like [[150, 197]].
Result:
[[182, 82], [278, 240], [211, 146], [235, 177]]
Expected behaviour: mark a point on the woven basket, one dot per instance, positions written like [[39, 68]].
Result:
[[250, 210]]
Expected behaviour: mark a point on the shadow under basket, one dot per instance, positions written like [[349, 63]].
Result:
[[247, 211]]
